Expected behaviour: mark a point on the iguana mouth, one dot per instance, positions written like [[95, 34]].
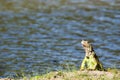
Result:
[[84, 45]]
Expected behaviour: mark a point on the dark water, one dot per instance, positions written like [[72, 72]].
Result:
[[41, 36]]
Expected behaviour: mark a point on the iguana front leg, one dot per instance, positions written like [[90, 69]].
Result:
[[83, 65], [92, 62]]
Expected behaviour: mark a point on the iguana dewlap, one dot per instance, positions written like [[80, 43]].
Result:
[[90, 61]]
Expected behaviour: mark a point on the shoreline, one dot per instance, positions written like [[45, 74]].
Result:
[[79, 75], [110, 74]]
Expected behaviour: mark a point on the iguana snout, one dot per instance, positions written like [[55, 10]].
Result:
[[85, 43]]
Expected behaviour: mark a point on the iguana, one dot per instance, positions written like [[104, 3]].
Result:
[[90, 61]]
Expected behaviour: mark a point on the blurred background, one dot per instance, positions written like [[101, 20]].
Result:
[[38, 36]]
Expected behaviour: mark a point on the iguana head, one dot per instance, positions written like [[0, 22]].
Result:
[[88, 47]]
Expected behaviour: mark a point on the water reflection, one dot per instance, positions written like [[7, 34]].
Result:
[[45, 37]]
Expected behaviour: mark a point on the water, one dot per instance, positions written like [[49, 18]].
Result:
[[41, 36]]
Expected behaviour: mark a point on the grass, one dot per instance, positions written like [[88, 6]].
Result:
[[110, 74]]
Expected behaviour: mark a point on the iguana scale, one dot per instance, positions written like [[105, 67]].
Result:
[[90, 61]]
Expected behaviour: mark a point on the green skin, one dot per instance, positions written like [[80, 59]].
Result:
[[91, 61]]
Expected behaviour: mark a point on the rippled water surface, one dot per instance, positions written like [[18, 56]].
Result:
[[38, 36]]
